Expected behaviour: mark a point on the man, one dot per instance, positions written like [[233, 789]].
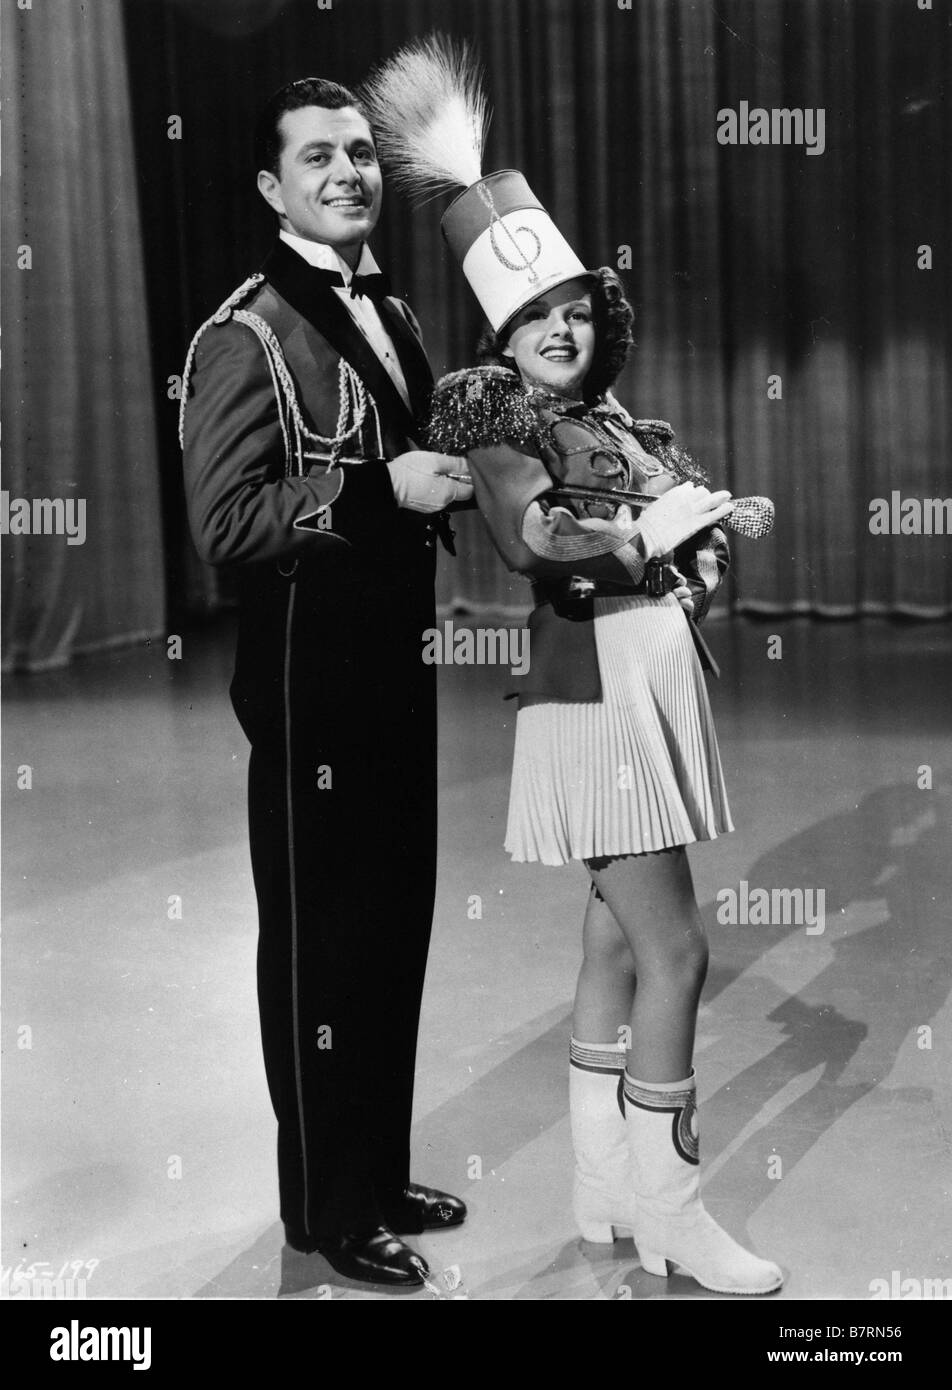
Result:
[[302, 386]]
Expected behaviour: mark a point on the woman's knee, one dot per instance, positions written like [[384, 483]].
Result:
[[608, 951], [684, 965]]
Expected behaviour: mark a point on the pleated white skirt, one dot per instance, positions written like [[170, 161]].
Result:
[[638, 770]]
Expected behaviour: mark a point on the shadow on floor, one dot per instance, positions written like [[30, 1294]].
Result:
[[893, 848]]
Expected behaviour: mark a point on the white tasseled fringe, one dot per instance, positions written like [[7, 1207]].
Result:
[[638, 770]]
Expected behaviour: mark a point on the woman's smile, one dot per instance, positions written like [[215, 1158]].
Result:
[[552, 340]]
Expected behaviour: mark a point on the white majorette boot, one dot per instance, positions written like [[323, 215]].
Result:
[[671, 1226], [601, 1193]]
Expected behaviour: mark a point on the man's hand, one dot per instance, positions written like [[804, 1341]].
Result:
[[426, 482], [679, 514]]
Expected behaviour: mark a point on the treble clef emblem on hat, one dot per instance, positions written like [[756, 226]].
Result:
[[524, 262]]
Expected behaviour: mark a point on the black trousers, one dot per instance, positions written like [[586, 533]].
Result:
[[342, 823], [345, 907]]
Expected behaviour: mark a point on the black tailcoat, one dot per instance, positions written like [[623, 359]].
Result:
[[339, 708]]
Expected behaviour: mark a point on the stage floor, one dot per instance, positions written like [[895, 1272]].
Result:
[[138, 1134]]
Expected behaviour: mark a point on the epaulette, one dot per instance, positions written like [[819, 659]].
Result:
[[221, 315], [479, 407], [656, 437]]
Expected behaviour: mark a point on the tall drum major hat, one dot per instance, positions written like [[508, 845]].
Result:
[[509, 247], [430, 117]]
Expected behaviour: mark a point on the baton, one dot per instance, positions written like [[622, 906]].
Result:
[[749, 516]]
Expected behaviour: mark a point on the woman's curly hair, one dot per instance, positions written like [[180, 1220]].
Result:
[[612, 316]]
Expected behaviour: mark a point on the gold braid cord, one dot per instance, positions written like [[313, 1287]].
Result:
[[355, 401]]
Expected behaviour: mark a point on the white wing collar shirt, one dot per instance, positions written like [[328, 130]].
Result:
[[362, 309]]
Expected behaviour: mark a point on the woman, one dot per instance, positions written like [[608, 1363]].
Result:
[[616, 761]]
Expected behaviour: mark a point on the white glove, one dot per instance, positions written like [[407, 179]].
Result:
[[420, 483], [679, 514]]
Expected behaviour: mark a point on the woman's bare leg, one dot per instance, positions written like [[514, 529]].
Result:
[[651, 898], [606, 982]]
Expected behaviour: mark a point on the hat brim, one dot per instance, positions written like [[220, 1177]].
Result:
[[585, 275]]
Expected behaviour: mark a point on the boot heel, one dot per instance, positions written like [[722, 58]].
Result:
[[653, 1263], [597, 1232]]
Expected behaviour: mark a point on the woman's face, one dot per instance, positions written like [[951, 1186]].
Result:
[[552, 340]]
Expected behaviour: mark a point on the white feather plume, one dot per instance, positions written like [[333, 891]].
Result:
[[430, 115]]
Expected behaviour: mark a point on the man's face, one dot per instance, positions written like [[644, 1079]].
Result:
[[330, 186]]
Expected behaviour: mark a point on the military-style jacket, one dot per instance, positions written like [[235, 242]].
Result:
[[335, 582], [521, 444], [256, 484]]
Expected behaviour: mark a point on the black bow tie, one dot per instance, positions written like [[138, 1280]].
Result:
[[376, 286]]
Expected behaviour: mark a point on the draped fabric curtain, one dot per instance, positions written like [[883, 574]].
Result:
[[784, 325], [820, 284], [744, 262], [85, 571]]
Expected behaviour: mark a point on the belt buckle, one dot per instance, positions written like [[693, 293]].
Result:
[[654, 579]]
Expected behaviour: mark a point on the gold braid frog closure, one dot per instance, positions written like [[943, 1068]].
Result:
[[600, 447]]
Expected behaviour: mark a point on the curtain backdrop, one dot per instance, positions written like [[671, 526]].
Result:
[[79, 421], [745, 262]]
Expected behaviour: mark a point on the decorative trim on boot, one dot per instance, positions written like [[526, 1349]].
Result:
[[679, 1100], [599, 1057]]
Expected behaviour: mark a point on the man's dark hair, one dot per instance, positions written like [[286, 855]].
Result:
[[308, 91], [612, 316]]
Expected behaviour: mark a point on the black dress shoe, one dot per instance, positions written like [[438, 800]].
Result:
[[420, 1209], [376, 1257]]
